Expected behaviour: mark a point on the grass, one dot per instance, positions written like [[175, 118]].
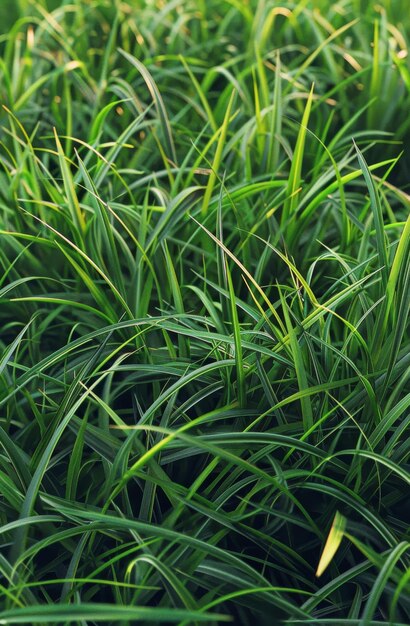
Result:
[[204, 366]]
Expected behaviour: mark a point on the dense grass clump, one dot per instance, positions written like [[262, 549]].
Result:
[[204, 281]]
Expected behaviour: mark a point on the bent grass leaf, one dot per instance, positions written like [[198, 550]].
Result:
[[158, 101]]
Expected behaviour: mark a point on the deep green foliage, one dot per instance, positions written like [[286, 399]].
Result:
[[204, 282]]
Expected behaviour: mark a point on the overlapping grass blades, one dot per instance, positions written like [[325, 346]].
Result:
[[204, 289]]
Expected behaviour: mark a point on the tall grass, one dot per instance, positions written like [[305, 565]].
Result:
[[205, 263]]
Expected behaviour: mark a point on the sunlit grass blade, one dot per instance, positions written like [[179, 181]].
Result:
[[332, 544], [221, 140], [295, 173]]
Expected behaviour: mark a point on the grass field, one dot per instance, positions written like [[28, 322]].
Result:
[[204, 281]]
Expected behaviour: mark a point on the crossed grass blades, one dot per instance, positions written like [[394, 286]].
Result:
[[204, 372]]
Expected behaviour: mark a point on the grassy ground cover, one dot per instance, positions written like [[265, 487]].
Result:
[[204, 281]]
